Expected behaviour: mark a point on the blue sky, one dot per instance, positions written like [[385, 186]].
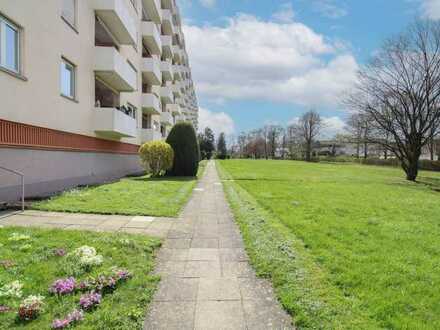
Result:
[[267, 61]]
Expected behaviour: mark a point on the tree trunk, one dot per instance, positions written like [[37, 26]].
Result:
[[308, 152], [411, 165]]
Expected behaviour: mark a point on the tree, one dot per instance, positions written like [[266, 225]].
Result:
[[183, 140], [399, 91], [222, 151], [359, 127], [273, 133], [156, 157], [308, 128], [207, 143]]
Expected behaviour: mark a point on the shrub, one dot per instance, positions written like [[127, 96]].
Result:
[[156, 157], [183, 140]]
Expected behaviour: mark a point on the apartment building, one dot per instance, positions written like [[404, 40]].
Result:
[[82, 84]]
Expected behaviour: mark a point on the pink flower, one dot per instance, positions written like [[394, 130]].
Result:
[[4, 309], [60, 252], [90, 300], [72, 318], [63, 286]]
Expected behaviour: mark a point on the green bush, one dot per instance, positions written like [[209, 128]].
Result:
[[183, 140], [156, 157]]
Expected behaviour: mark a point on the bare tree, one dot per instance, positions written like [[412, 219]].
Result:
[[273, 133], [358, 125], [308, 128], [399, 91]]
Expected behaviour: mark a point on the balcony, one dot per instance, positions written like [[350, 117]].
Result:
[[166, 95], [149, 134], [113, 123], [167, 70], [167, 22], [117, 18], [166, 118], [175, 89], [174, 109], [114, 70], [153, 7], [151, 37], [151, 70], [150, 104], [177, 52], [167, 46], [176, 72]]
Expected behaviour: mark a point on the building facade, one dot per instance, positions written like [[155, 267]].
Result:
[[83, 84]]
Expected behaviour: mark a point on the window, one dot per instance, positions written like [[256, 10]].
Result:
[[68, 11], [68, 72], [9, 45]]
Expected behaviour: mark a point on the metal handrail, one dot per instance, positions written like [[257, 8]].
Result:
[[21, 175]]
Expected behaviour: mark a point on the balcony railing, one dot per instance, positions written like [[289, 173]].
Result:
[[114, 70], [117, 18], [114, 123]]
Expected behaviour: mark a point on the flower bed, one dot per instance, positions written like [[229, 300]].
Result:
[[66, 279]]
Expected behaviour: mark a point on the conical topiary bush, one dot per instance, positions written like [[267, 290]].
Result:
[[183, 140]]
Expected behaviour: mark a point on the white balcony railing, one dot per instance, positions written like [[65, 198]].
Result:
[[151, 37], [174, 108], [153, 7], [150, 103], [118, 19], [167, 46], [166, 94], [114, 70], [113, 123], [167, 70], [151, 70], [149, 134], [166, 118]]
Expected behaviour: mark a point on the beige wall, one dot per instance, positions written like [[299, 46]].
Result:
[[47, 172], [45, 39]]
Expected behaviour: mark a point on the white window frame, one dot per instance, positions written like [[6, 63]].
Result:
[[3, 23], [67, 63]]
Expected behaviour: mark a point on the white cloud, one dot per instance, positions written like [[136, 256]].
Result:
[[252, 59], [285, 14], [208, 3], [431, 9], [218, 121], [332, 126]]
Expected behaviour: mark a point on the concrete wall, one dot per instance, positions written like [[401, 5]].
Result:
[[47, 172]]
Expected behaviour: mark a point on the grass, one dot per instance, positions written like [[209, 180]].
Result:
[[36, 267], [346, 246], [129, 196]]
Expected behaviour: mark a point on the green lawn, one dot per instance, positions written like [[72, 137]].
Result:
[[40, 257], [346, 246], [129, 196]]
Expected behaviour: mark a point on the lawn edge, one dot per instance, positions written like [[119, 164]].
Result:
[[276, 254], [185, 192]]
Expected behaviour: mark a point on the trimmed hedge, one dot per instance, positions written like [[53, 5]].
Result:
[[183, 140], [156, 157]]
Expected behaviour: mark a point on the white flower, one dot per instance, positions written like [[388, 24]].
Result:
[[12, 289], [33, 301], [87, 256]]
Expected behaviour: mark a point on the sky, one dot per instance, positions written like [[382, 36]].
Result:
[[258, 62]]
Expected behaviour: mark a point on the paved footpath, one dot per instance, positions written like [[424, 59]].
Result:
[[207, 282]]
